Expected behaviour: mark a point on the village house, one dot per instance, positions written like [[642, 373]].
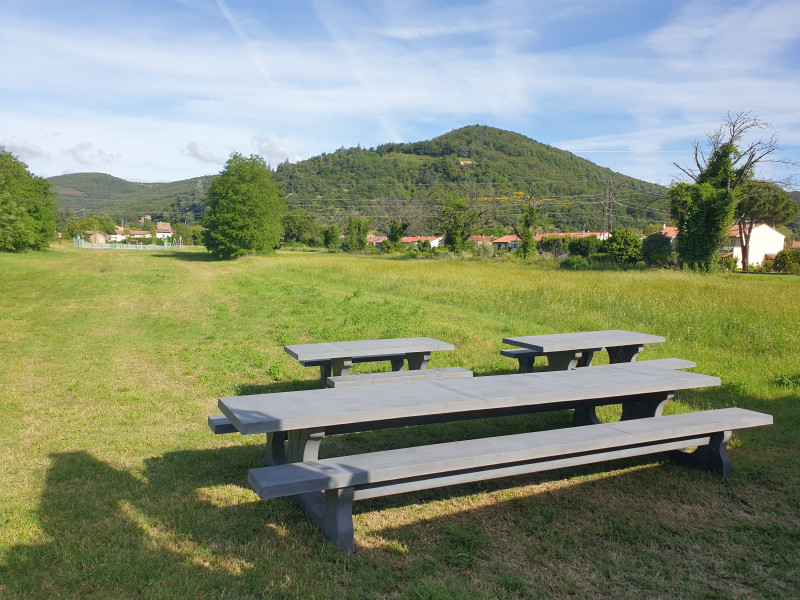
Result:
[[765, 243], [163, 230], [508, 242], [376, 240], [417, 240]]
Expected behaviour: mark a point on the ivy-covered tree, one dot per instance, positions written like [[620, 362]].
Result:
[[704, 215], [584, 246], [27, 210], [244, 209], [723, 166]]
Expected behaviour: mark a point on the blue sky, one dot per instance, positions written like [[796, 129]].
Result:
[[162, 90]]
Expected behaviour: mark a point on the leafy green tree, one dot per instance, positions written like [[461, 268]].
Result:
[[244, 209], [657, 249], [355, 239], [458, 218], [584, 246], [27, 210], [760, 202], [397, 229], [623, 246], [301, 226], [330, 237]]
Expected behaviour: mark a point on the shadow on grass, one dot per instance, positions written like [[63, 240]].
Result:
[[193, 256], [185, 527]]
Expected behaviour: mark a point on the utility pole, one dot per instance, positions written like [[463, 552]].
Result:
[[608, 208]]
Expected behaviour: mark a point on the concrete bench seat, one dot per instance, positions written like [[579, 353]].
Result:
[[326, 488], [396, 376]]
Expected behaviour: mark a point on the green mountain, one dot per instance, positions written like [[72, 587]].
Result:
[[80, 194], [502, 168], [499, 169]]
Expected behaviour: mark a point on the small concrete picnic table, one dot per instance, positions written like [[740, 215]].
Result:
[[336, 358], [570, 350]]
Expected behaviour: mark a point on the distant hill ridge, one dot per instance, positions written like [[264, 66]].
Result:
[[478, 161]]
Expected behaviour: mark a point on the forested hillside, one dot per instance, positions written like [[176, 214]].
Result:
[[500, 169], [81, 194]]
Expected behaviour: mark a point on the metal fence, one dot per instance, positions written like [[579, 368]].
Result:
[[168, 244]]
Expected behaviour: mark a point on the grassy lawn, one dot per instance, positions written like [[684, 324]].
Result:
[[112, 486]]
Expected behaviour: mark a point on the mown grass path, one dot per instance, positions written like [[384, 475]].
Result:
[[113, 487]]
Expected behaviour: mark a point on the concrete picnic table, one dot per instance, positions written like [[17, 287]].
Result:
[[336, 358], [571, 350]]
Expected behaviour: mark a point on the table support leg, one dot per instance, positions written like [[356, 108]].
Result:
[[563, 361], [304, 444], [324, 373], [585, 415], [623, 354], [340, 366], [713, 457], [397, 364], [418, 360], [649, 407], [275, 454]]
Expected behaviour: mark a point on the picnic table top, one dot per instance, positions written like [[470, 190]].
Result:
[[583, 340], [365, 348], [307, 409]]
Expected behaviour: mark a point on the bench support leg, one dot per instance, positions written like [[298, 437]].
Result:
[[338, 518], [418, 360], [332, 512], [526, 363], [623, 354], [397, 364], [713, 457]]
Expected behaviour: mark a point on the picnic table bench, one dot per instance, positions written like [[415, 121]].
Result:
[[335, 358], [571, 350], [295, 423], [347, 478]]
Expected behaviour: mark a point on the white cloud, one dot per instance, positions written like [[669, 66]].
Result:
[[22, 148], [202, 153]]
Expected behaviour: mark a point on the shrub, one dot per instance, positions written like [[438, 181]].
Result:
[[657, 250], [575, 263], [624, 246], [584, 246], [787, 261]]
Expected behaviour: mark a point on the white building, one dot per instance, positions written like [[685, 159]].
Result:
[[764, 240]]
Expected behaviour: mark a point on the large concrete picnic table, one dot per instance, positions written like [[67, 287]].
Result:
[[571, 350], [336, 358], [305, 417]]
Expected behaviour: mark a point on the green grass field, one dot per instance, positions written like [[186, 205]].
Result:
[[112, 486]]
